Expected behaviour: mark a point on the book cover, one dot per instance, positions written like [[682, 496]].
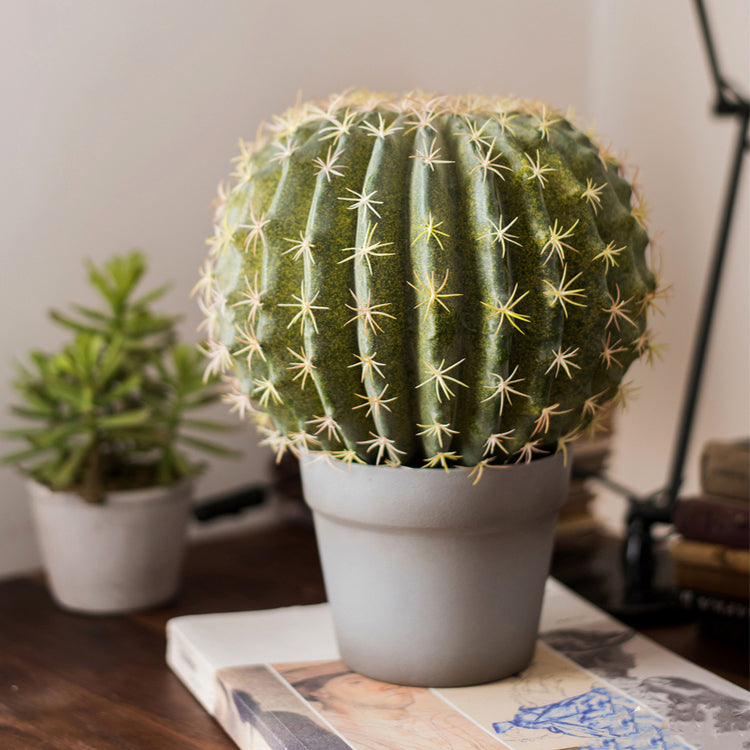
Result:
[[715, 556], [725, 468], [593, 684], [324, 705], [712, 568], [711, 518]]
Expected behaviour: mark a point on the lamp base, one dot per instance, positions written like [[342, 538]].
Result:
[[597, 572]]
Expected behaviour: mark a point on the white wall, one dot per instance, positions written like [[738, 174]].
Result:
[[120, 119]]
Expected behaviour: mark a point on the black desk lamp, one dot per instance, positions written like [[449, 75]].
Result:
[[641, 597]]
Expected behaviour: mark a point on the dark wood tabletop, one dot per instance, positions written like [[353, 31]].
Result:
[[72, 682]]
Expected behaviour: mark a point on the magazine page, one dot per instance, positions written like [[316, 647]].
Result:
[[553, 705], [326, 706], [707, 710], [260, 711], [556, 705]]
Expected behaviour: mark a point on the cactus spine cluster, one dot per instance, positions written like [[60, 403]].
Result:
[[426, 281]]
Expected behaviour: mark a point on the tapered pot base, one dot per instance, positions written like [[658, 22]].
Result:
[[432, 580]]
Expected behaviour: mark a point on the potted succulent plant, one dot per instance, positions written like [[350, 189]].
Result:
[[428, 298], [109, 483]]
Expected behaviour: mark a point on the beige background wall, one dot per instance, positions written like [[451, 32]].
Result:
[[121, 118]]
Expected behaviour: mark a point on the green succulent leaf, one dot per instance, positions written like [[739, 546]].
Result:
[[22, 456], [134, 418], [151, 297], [122, 388], [208, 447], [66, 395], [65, 473], [42, 412], [73, 323], [95, 315]]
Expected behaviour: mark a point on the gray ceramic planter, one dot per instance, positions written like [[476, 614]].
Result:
[[432, 580], [121, 556]]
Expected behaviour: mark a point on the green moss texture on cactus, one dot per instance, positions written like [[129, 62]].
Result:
[[430, 281]]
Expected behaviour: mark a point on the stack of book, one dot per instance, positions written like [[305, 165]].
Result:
[[711, 554], [576, 522]]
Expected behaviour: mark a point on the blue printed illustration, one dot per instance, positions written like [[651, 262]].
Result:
[[613, 721], [707, 715]]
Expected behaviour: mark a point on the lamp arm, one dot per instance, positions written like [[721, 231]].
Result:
[[728, 99]]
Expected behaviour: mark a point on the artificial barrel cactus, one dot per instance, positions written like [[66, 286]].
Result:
[[426, 281]]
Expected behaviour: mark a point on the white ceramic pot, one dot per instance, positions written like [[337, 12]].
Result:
[[119, 556], [433, 580]]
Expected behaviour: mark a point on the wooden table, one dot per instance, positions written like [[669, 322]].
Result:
[[69, 682]]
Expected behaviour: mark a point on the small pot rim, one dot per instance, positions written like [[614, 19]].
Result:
[[155, 493]]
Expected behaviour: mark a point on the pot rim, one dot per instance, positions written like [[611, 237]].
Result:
[[309, 457], [155, 493], [382, 496]]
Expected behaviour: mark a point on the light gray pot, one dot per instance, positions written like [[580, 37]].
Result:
[[120, 556], [432, 580]]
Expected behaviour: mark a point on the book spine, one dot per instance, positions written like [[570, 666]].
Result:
[[268, 728], [713, 604], [711, 568], [725, 468], [706, 580], [722, 618], [190, 666], [705, 519], [717, 557]]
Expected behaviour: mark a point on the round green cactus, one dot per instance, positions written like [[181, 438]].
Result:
[[426, 281]]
